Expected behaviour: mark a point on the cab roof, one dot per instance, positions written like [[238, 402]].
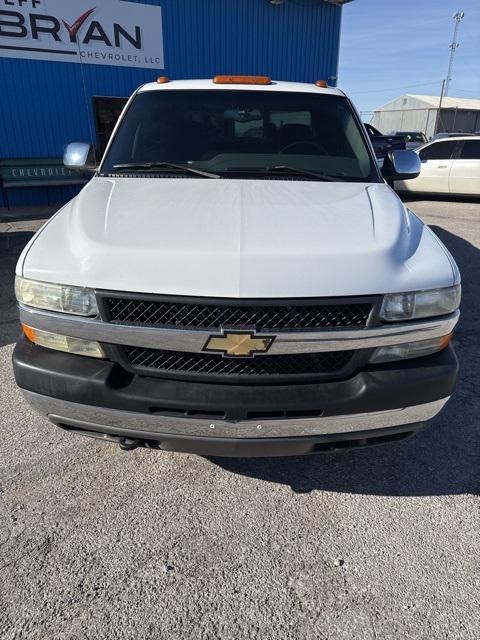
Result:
[[294, 87]]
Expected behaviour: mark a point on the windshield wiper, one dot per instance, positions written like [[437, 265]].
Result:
[[287, 170], [146, 166], [302, 172]]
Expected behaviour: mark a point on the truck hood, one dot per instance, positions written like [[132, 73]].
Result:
[[237, 238]]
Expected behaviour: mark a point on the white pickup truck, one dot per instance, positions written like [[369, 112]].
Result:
[[238, 278]]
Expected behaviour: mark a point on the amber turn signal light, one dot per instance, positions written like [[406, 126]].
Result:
[[445, 341], [29, 332], [242, 80]]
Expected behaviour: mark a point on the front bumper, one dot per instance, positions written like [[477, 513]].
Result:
[[99, 398]]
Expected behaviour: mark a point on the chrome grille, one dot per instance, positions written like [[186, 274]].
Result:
[[276, 316], [326, 363]]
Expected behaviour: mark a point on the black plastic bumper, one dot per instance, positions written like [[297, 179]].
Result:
[[105, 384], [246, 447]]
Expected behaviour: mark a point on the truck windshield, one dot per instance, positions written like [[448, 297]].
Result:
[[241, 132]]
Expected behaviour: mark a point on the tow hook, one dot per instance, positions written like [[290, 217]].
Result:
[[128, 444]]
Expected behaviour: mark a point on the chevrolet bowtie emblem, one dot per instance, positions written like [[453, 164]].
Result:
[[239, 344]]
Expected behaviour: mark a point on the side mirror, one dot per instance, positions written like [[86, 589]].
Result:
[[80, 156], [401, 164]]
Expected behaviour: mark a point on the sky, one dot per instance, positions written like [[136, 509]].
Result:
[[392, 47]]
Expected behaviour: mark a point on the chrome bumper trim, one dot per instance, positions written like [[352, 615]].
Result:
[[94, 418], [194, 340]]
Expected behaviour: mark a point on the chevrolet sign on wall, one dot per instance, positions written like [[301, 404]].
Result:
[[111, 32]]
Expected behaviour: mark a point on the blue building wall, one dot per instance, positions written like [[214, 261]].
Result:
[[44, 105]]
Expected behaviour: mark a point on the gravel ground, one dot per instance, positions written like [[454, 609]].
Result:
[[381, 543]]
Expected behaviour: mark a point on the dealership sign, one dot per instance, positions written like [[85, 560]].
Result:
[[112, 32]]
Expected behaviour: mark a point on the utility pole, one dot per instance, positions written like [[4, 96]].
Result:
[[438, 119], [458, 17]]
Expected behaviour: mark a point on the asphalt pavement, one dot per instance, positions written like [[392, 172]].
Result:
[[383, 543]]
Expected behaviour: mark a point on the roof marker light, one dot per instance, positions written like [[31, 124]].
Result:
[[163, 80], [242, 80], [323, 84]]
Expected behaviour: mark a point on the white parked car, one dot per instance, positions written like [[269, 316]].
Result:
[[238, 279], [449, 166]]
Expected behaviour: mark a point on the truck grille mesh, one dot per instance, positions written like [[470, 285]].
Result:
[[215, 316], [209, 364]]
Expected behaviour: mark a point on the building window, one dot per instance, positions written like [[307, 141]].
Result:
[[107, 112]]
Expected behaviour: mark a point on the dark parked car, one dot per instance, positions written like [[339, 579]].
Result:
[[413, 139], [451, 134], [382, 144]]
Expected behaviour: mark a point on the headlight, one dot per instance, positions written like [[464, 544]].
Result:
[[420, 304], [410, 350], [59, 342], [56, 297]]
